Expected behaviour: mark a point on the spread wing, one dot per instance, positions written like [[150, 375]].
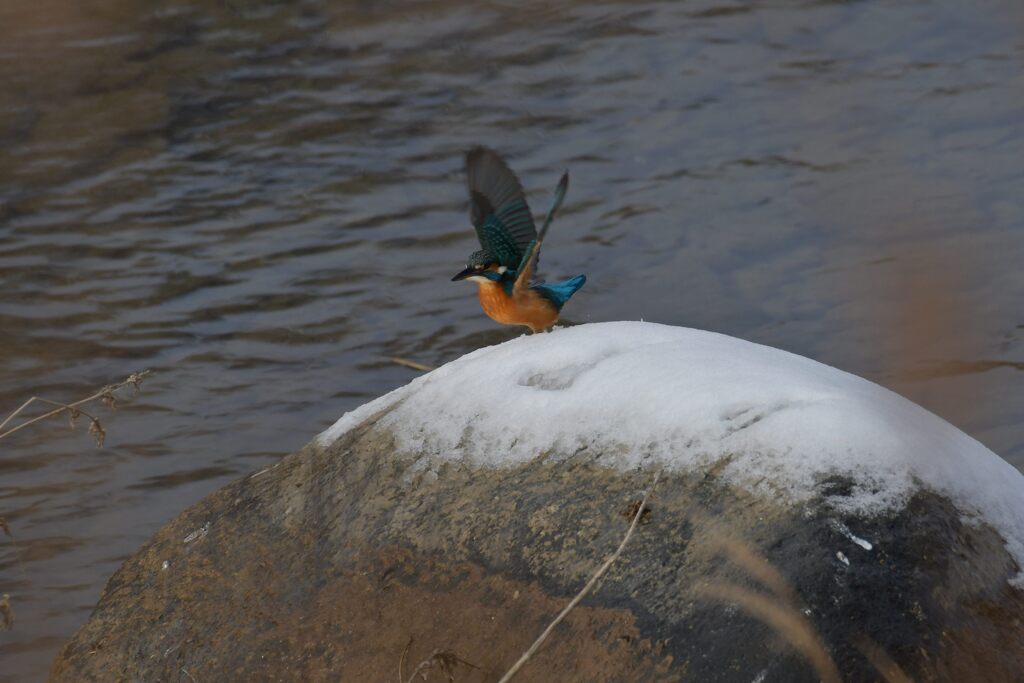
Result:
[[498, 207], [531, 255]]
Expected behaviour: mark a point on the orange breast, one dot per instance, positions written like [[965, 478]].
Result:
[[529, 308]]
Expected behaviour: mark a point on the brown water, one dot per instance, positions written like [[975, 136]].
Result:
[[259, 200]]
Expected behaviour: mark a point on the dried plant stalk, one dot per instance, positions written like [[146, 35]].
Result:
[[879, 659], [6, 612], [780, 611], [401, 661], [785, 620], [586, 589], [398, 360], [107, 395], [745, 557]]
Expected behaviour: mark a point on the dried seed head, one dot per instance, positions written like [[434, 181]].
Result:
[[109, 400], [631, 510], [448, 660], [96, 429], [135, 379], [6, 613], [445, 660]]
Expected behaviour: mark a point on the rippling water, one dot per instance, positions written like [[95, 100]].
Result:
[[259, 201]]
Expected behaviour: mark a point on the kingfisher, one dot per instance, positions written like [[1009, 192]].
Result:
[[503, 269]]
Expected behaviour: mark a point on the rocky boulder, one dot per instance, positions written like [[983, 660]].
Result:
[[806, 525]]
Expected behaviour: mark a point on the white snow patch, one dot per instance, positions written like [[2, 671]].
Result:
[[845, 531], [636, 394], [842, 558]]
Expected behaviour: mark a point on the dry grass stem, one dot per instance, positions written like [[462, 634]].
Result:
[[446, 660], [586, 589], [107, 395], [780, 610], [785, 620], [745, 557], [879, 659], [401, 661], [398, 360]]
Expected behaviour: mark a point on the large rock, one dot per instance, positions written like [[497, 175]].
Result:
[[463, 511]]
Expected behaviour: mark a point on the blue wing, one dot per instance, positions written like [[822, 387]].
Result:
[[498, 208]]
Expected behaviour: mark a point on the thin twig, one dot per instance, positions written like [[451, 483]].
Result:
[[398, 360], [38, 418], [401, 662], [17, 412], [106, 393], [185, 671], [586, 589]]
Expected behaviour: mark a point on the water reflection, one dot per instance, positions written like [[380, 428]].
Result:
[[260, 200]]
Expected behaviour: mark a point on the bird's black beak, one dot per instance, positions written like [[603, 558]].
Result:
[[464, 274]]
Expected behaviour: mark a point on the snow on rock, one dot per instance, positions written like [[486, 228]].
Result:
[[462, 510], [641, 394]]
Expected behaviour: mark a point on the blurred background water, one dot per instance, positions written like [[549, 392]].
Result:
[[258, 200]]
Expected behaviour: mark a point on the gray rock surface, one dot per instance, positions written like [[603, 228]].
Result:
[[348, 561]]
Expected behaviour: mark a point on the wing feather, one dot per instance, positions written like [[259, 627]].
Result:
[[498, 206], [524, 272]]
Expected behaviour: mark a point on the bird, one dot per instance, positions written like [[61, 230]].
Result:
[[504, 267]]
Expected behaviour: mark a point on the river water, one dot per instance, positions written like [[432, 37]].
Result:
[[259, 201]]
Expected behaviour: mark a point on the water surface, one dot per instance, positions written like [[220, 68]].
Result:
[[258, 201]]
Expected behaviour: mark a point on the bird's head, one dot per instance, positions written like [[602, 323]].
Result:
[[482, 267]]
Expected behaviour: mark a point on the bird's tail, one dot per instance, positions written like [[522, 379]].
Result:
[[563, 187], [560, 292]]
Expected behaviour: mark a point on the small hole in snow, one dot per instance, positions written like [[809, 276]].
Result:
[[555, 379]]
